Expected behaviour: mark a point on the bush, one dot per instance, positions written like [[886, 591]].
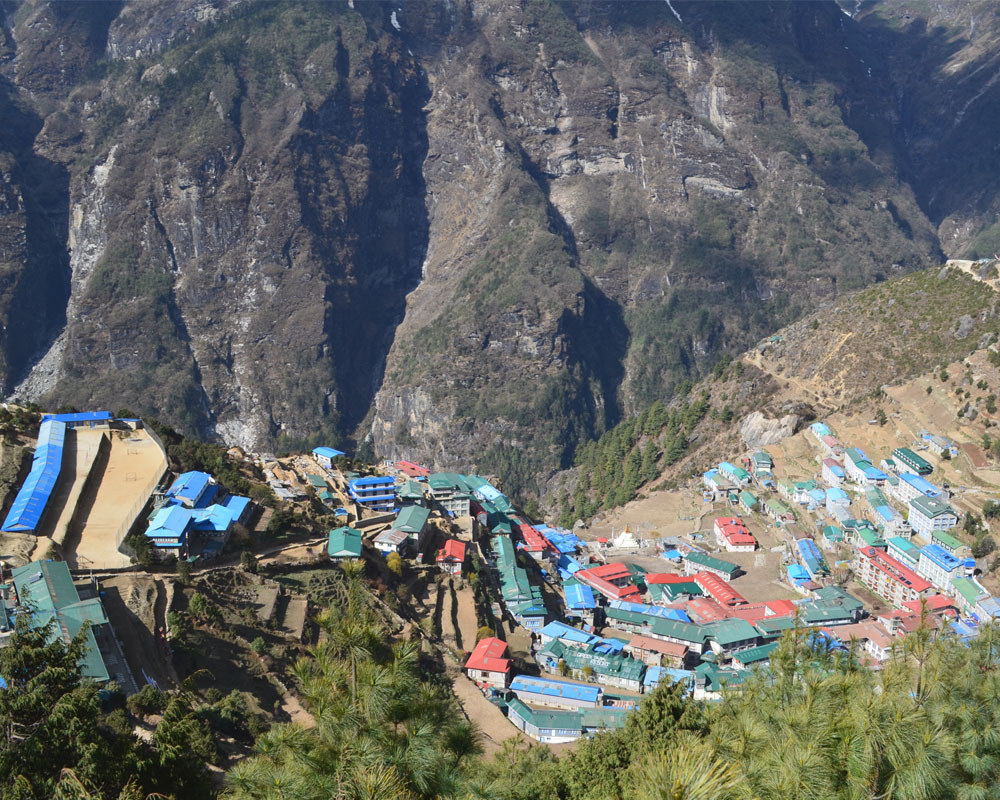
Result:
[[395, 564], [184, 571], [149, 700], [484, 633]]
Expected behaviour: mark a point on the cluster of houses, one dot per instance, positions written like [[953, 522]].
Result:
[[194, 516]]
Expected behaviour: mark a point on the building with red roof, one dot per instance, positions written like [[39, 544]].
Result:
[[451, 557], [731, 533], [488, 663], [665, 577], [705, 609], [656, 652], [609, 590], [752, 612], [412, 470], [534, 543], [935, 604], [888, 578], [718, 589], [617, 573]]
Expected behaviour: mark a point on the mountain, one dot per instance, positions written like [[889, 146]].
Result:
[[472, 233]]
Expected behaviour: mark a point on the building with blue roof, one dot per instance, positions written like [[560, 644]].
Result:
[[567, 634], [911, 486], [192, 489], [239, 507], [798, 574], [819, 429], [580, 597], [812, 559], [376, 492], [891, 523], [169, 526], [556, 694], [939, 566], [838, 503], [325, 455], [29, 506], [84, 419]]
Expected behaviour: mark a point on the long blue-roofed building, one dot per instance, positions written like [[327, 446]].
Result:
[[82, 419], [29, 506]]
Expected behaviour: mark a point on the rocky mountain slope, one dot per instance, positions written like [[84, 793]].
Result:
[[474, 233]]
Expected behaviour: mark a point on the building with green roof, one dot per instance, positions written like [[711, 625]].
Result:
[[729, 635], [412, 492], [696, 561], [612, 670], [344, 543], [710, 679], [667, 593], [748, 501], [47, 588], [687, 633], [951, 543], [412, 520], [832, 535], [909, 461], [758, 656], [553, 727]]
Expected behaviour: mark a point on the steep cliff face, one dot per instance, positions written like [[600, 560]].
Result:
[[639, 192], [473, 233]]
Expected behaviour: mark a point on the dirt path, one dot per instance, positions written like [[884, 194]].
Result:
[[290, 705], [86, 445], [464, 613], [495, 727]]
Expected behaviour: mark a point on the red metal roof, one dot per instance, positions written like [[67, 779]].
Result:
[[718, 589], [734, 531], [609, 590], [935, 603], [413, 470], [705, 609], [665, 577], [609, 572], [675, 649], [894, 569], [533, 540], [453, 550], [489, 655]]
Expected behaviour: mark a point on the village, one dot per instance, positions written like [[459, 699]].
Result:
[[565, 631]]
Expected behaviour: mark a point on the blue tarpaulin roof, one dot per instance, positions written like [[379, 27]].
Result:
[[29, 505], [798, 574]]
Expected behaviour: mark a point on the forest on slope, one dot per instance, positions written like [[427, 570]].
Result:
[[473, 233]]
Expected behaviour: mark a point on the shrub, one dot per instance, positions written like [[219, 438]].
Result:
[[148, 700]]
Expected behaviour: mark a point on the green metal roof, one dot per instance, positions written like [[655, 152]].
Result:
[[705, 560], [671, 591], [675, 629], [344, 542], [411, 519], [716, 677], [776, 506], [619, 667], [729, 631], [546, 719], [911, 459], [317, 481], [969, 590], [748, 499], [411, 490], [773, 626], [931, 507], [833, 533], [834, 595], [756, 654], [946, 540], [871, 538], [47, 587]]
